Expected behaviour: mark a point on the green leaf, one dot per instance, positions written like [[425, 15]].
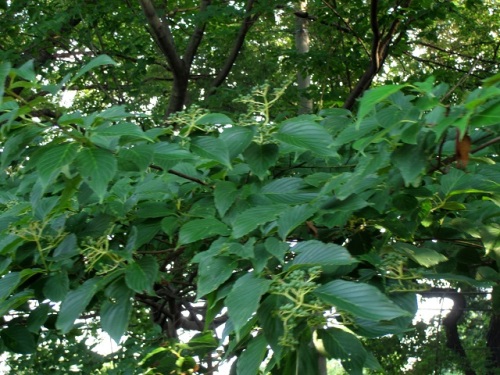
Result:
[[359, 299], [404, 202], [141, 274], [97, 167], [18, 339], [211, 148], [276, 248], [38, 317], [316, 253], [204, 342], [75, 303], [225, 194], [169, 225], [292, 217], [214, 119], [8, 284], [27, 71], [67, 248], [168, 154], [15, 301], [306, 134], [490, 116], [116, 310], [251, 218], [271, 323], [459, 278], [119, 130], [56, 287], [4, 72], [455, 180], [243, 300], [411, 162], [54, 159], [289, 190], [374, 96], [200, 229], [453, 206], [94, 63], [261, 157], [344, 346], [212, 273], [350, 204], [251, 359], [237, 139]]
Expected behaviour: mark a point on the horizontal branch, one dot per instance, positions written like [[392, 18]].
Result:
[[180, 174]]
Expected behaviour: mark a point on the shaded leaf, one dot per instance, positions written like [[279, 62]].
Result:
[[94, 63], [224, 196], [261, 157], [141, 274], [374, 96], [116, 310], [237, 139], [8, 284], [411, 162], [75, 303], [18, 339], [214, 119], [211, 148], [56, 287], [251, 359], [306, 134], [199, 229], [212, 273], [359, 299], [344, 346], [316, 253], [53, 159], [251, 218], [97, 167], [290, 190], [243, 300]]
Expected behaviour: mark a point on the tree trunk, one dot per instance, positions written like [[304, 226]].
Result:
[[302, 45], [450, 323], [493, 342]]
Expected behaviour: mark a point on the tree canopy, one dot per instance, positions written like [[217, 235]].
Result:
[[272, 183]]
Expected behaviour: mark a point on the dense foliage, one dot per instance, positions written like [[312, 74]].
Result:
[[299, 237]]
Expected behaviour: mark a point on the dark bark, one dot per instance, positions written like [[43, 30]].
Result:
[[245, 27], [381, 44], [493, 343], [450, 323], [180, 67]]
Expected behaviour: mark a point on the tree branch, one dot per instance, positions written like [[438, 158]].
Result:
[[179, 174], [379, 53], [450, 322], [246, 24], [196, 37], [163, 37], [452, 158]]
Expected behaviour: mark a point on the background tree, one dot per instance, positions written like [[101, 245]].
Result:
[[299, 234]]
